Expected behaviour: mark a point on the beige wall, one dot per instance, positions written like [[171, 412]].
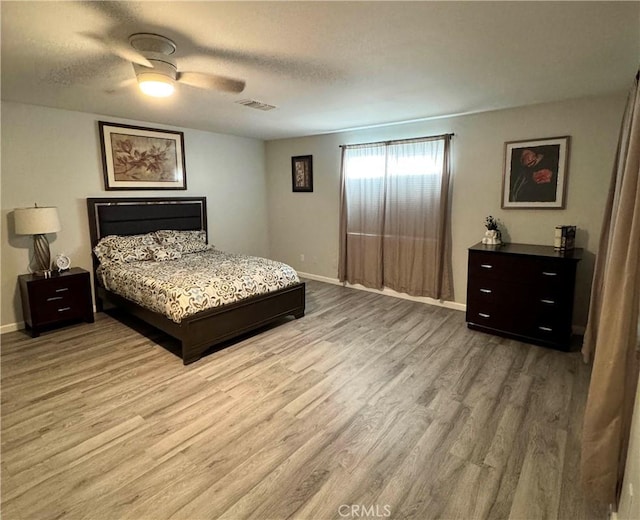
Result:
[[52, 157], [307, 223]]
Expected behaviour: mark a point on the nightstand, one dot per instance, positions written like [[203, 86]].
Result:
[[48, 302]]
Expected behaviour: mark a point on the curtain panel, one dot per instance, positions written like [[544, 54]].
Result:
[[611, 338], [394, 225]]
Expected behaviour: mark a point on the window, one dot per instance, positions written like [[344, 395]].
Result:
[[394, 216]]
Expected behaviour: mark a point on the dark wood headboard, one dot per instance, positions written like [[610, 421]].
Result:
[[136, 215]]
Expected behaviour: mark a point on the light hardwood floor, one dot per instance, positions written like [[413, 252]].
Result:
[[366, 401]]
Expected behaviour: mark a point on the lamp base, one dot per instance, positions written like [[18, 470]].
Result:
[[46, 273], [42, 254]]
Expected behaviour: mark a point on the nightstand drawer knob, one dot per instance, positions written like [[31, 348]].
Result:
[[486, 291], [549, 273], [62, 290], [483, 315], [63, 309], [546, 329], [550, 302], [486, 266], [54, 298]]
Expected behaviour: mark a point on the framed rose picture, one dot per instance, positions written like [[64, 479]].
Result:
[[138, 158], [535, 173], [302, 173]]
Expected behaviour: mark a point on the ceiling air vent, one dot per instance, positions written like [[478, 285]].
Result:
[[252, 103]]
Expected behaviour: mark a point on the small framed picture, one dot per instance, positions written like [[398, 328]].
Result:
[[302, 173], [138, 158], [535, 173]]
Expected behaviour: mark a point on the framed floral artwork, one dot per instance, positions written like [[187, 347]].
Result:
[[535, 173], [138, 158]]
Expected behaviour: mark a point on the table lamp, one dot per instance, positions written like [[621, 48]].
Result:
[[38, 222]]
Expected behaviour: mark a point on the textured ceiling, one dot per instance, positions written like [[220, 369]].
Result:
[[326, 65]]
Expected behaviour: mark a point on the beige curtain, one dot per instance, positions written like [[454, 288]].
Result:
[[612, 330], [394, 216]]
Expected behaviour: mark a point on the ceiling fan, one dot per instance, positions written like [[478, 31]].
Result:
[[156, 70]]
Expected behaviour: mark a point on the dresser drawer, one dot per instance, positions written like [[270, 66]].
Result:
[[524, 269], [492, 290], [549, 274], [554, 331], [555, 299], [491, 266], [495, 315]]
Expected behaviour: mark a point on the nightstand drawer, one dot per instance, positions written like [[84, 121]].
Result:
[[59, 310], [57, 290]]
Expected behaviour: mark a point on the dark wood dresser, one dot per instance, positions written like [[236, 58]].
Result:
[[49, 302], [523, 292]]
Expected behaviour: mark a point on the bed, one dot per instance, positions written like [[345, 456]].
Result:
[[196, 332]]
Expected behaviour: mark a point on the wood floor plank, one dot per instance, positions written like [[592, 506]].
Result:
[[368, 401], [353, 474], [473, 493], [537, 494]]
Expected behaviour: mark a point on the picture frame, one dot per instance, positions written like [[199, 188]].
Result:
[[535, 173], [140, 158], [302, 173]]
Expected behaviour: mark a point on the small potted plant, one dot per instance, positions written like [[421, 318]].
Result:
[[492, 235]]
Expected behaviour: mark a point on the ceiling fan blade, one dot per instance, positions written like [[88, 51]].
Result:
[[210, 81], [121, 86], [125, 51]]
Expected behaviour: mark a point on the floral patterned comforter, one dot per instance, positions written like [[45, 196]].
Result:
[[197, 281]]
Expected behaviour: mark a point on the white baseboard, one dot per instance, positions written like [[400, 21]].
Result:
[[319, 278], [11, 327], [387, 292]]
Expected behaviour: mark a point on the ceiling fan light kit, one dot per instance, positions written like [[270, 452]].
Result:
[[158, 79], [156, 85]]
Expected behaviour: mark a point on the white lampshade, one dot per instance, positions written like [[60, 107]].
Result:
[[36, 221]]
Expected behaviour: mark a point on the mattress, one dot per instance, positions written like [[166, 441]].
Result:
[[197, 281]]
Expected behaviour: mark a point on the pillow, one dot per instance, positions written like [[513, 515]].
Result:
[[183, 241], [162, 254], [131, 248]]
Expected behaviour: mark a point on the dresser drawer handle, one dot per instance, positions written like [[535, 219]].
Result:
[[483, 315], [550, 302], [53, 298], [546, 329], [486, 291], [486, 266], [62, 290], [549, 273], [63, 309]]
